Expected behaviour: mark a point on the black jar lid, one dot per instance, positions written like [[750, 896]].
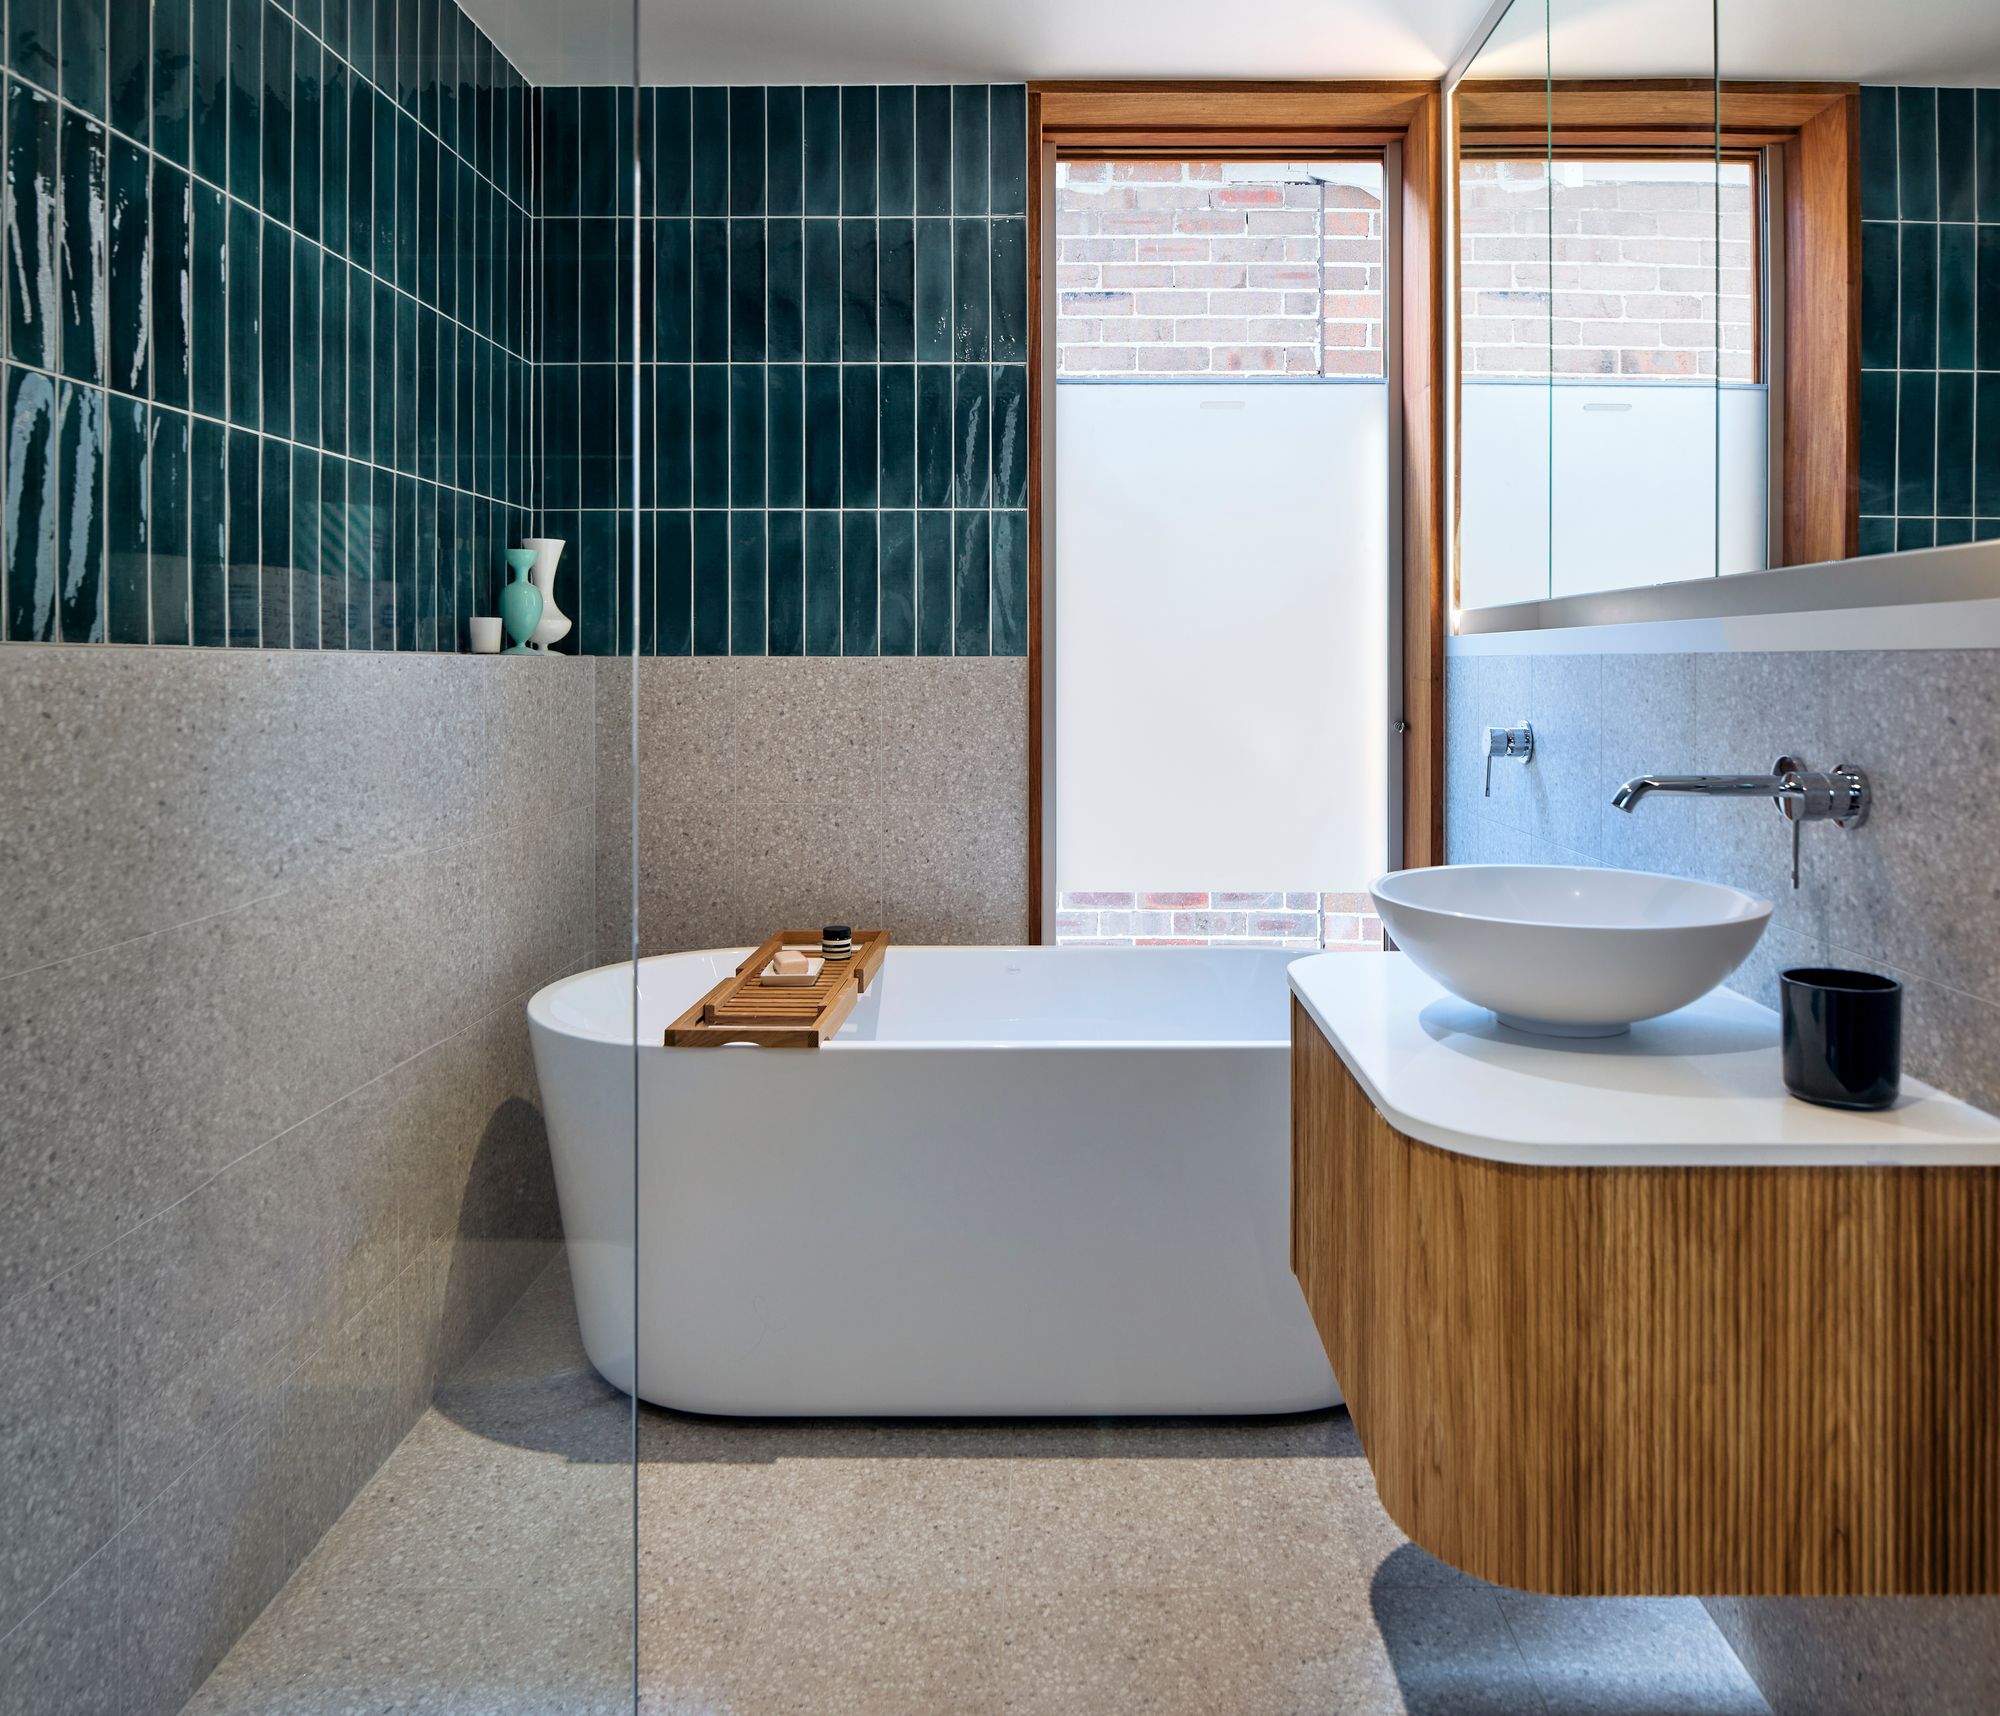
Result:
[[836, 932]]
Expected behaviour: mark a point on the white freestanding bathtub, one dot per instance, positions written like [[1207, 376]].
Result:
[[1021, 1181]]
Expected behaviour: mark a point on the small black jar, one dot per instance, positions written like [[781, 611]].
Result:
[[1842, 1033]]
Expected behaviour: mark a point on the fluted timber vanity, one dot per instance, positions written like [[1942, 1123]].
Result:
[[1620, 1316]]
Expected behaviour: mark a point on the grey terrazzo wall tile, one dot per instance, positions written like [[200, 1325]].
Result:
[[1904, 894], [1930, 291], [922, 770], [265, 1092]]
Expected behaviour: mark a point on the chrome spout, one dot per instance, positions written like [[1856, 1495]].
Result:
[[1709, 786]]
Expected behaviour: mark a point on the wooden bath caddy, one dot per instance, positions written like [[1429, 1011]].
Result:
[[741, 1009]]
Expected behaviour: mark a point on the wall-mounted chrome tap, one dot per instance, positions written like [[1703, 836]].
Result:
[[1801, 794], [1508, 742]]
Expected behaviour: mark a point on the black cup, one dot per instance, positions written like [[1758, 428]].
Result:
[[1843, 1036]]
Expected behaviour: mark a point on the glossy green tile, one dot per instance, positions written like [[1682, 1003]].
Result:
[[333, 597], [360, 52], [932, 167], [971, 432], [710, 580], [747, 122], [1918, 298], [673, 602], [1916, 443], [1957, 189], [1881, 265], [332, 354], [1916, 153], [428, 34], [746, 291], [34, 305], [1986, 146], [785, 412], [274, 501], [823, 291], [822, 575], [1878, 442], [896, 149], [821, 148], [360, 173], [899, 435], [969, 144], [859, 427], [168, 284], [1986, 451], [407, 372], [1010, 583], [408, 154], [896, 291], [406, 52], [360, 366], [560, 284], [208, 533], [1951, 531], [34, 501], [246, 93], [1010, 435], [604, 155], [1954, 444], [599, 308], [429, 601], [80, 435], [170, 63], [82, 245], [709, 440], [403, 557], [83, 55], [934, 583], [429, 230], [823, 420], [381, 369], [128, 67], [1008, 155], [971, 293], [1915, 533], [857, 149], [276, 118], [857, 291], [746, 583], [1957, 297], [710, 269], [33, 27], [306, 542], [784, 291], [671, 434], [784, 583], [746, 435], [167, 533], [1988, 311], [972, 580], [129, 221], [275, 362], [898, 605], [382, 252], [709, 146], [934, 435], [245, 543], [672, 190], [1877, 536], [1009, 281], [860, 583]]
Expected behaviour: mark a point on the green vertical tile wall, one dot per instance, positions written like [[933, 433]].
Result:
[[832, 428], [1930, 316], [268, 327]]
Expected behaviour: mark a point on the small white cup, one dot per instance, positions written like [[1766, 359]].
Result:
[[485, 634]]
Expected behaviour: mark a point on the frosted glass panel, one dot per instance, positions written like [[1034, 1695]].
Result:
[[1221, 635], [1626, 451]]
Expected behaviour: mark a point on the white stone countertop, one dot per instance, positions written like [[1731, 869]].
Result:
[[1700, 1087]]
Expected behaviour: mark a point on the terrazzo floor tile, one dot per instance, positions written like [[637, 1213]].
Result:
[[909, 1568]]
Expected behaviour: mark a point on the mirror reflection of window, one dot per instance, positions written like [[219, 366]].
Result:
[[1645, 330]]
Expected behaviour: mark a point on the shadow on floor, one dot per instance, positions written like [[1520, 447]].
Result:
[[531, 1386]]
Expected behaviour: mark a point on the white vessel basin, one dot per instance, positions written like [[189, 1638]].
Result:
[[1569, 952]]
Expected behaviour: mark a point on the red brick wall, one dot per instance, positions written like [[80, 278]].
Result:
[[1183, 268], [1633, 274]]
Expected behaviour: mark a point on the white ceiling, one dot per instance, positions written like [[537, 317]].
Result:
[[927, 41], [935, 41]]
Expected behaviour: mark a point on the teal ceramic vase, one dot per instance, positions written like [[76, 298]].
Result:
[[520, 602]]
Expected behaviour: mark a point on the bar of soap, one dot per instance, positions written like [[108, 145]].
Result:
[[790, 963]]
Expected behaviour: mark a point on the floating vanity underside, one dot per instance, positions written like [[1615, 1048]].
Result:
[[1580, 1376]]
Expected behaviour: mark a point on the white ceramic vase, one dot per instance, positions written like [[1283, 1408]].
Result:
[[554, 623]]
